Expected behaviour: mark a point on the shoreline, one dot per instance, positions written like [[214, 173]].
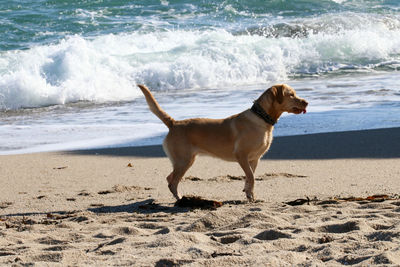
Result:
[[79, 137]]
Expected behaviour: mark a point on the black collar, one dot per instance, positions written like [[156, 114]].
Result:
[[259, 111]]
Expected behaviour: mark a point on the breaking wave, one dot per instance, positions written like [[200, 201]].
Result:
[[108, 67]]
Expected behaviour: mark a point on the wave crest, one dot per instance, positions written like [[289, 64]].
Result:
[[107, 68]]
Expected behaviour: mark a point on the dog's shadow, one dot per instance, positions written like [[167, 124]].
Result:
[[149, 206]]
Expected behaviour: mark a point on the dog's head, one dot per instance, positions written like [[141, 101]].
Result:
[[285, 99]]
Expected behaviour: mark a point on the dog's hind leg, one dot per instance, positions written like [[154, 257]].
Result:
[[253, 165], [176, 175]]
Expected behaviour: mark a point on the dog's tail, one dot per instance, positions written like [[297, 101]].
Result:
[[155, 107]]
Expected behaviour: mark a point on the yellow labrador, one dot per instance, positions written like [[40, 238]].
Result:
[[242, 137]]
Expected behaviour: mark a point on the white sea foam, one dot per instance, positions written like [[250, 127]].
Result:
[[107, 68], [74, 70]]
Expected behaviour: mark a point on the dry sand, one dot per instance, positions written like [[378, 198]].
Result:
[[111, 207]]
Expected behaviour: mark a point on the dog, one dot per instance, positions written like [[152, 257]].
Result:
[[244, 137]]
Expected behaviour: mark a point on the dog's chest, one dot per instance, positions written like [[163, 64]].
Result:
[[264, 142]]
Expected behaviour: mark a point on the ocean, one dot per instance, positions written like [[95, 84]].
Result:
[[69, 69]]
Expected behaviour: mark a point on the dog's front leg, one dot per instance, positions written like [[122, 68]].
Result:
[[249, 183]]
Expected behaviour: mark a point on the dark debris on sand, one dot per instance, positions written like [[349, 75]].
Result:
[[374, 198], [195, 202]]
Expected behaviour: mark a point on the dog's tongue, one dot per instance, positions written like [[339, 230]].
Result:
[[304, 111]]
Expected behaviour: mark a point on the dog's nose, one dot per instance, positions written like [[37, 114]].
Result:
[[305, 103]]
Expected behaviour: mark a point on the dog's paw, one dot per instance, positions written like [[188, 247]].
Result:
[[250, 197], [174, 190], [249, 193]]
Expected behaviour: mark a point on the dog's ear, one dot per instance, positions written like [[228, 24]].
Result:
[[277, 93]]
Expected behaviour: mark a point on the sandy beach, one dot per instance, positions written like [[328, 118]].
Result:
[[112, 207]]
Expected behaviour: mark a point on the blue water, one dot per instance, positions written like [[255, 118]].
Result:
[[69, 69]]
